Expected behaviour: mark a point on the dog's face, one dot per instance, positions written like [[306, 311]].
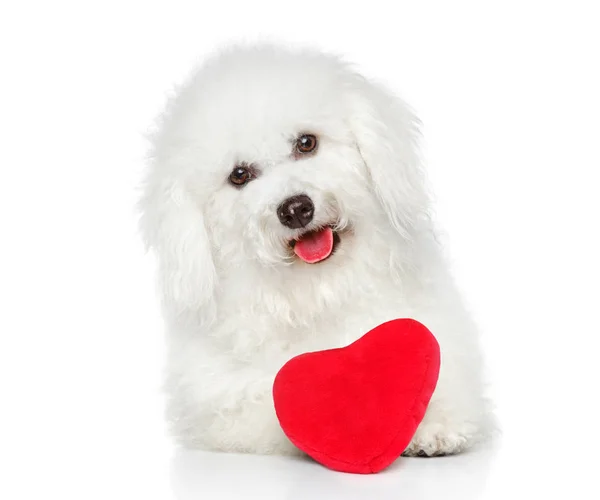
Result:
[[290, 186], [281, 163]]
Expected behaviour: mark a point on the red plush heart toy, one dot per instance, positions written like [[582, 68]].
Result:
[[356, 408]]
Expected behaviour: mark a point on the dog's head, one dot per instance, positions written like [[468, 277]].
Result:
[[273, 162]]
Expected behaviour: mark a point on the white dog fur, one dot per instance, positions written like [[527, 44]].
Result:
[[237, 303]]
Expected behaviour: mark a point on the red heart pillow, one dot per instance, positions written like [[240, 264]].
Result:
[[356, 408]]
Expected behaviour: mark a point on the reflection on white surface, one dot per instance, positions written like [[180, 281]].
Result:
[[195, 474]]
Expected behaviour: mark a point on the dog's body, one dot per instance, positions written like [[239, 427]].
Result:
[[239, 294]]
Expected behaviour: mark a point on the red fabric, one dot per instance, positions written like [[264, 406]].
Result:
[[356, 408]]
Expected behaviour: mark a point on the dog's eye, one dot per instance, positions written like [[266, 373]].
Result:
[[306, 143], [240, 175]]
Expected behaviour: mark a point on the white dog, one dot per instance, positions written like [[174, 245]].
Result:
[[288, 210]]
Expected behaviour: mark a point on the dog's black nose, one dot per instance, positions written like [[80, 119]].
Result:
[[296, 212]]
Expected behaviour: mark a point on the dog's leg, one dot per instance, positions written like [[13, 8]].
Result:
[[234, 412], [458, 415], [445, 430], [251, 425]]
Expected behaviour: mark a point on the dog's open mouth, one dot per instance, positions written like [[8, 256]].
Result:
[[317, 245]]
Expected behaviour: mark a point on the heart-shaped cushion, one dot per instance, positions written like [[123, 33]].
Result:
[[356, 408]]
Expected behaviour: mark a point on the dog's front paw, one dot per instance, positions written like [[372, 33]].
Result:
[[434, 440]]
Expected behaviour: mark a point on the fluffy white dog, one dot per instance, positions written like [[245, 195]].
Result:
[[286, 204]]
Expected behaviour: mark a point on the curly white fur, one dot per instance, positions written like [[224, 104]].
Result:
[[237, 304]]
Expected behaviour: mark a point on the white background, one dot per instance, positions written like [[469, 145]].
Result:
[[509, 96]]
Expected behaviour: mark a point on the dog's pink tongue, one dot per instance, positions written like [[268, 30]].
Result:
[[315, 246]]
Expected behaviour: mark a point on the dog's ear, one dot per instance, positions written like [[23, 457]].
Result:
[[387, 133], [173, 226]]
